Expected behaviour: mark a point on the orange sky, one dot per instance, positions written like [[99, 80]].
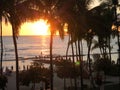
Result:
[[7, 29], [36, 28], [30, 28]]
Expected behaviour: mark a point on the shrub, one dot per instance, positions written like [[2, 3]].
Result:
[[3, 81]]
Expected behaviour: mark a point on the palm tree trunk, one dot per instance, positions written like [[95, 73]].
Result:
[[64, 83], [89, 62], [1, 47], [67, 48], [34, 85], [16, 57], [81, 71], [51, 61], [75, 80], [71, 83], [109, 48], [76, 50]]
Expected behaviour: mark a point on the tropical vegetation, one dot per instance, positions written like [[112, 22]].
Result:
[[83, 23], [35, 74], [3, 82]]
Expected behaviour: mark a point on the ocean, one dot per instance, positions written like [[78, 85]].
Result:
[[32, 46]]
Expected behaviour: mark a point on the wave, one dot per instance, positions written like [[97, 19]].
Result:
[[9, 50], [23, 48]]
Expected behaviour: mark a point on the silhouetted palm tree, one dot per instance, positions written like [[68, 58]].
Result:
[[103, 30], [101, 13], [78, 27], [15, 13], [1, 39], [15, 23], [48, 8], [8, 11]]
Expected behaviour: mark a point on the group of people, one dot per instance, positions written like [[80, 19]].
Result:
[[8, 71]]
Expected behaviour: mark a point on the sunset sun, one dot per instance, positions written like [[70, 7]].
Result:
[[35, 28]]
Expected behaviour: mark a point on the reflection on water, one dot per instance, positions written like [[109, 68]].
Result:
[[31, 46]]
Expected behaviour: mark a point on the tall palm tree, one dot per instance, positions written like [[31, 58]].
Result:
[[2, 14], [78, 26], [80, 22], [1, 39], [16, 20], [101, 13], [51, 61], [74, 16], [103, 30], [89, 37], [47, 9], [16, 15], [7, 10], [15, 23]]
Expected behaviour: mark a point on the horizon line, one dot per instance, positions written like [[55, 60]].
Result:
[[28, 35]]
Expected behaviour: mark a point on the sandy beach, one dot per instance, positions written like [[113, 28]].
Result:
[[58, 83]]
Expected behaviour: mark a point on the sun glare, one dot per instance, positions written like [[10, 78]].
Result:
[[35, 28]]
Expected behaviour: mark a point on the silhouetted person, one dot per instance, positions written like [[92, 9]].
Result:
[[12, 68], [23, 67]]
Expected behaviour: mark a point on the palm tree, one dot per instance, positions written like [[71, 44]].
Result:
[[74, 16], [48, 9], [105, 15], [78, 19], [1, 2], [1, 15], [1, 47], [16, 15], [78, 26], [55, 24], [101, 13], [15, 23], [9, 8], [89, 37]]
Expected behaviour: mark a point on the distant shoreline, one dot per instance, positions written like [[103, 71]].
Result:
[[47, 56]]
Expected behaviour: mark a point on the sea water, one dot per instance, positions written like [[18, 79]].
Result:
[[32, 46]]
